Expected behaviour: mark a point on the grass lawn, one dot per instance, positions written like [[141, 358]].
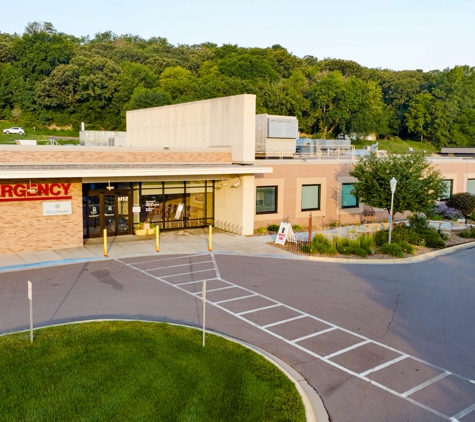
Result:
[[40, 135], [135, 371], [399, 146]]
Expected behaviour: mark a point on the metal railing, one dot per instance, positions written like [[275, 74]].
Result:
[[321, 152]]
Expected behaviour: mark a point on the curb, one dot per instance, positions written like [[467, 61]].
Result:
[[410, 260], [314, 408]]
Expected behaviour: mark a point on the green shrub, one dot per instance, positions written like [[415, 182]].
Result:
[[406, 234], [463, 202], [431, 237], [407, 248], [418, 221], [468, 233], [344, 245], [296, 228], [381, 237], [363, 253], [273, 228], [260, 230], [367, 243], [322, 245], [393, 249], [443, 234]]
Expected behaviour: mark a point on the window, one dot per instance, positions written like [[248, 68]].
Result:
[[447, 191], [347, 199], [471, 186], [310, 197], [266, 200]]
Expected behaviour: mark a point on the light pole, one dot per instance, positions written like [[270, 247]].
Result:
[[392, 183]]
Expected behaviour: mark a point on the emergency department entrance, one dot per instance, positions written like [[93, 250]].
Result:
[[108, 210], [121, 207]]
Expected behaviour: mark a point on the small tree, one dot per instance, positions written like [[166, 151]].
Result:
[[463, 202], [419, 185]]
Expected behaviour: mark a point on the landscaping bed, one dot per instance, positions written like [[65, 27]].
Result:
[[453, 240]]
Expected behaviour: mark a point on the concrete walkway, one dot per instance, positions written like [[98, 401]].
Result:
[[175, 242], [189, 241]]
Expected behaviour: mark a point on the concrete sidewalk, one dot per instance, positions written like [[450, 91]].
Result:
[[187, 241]]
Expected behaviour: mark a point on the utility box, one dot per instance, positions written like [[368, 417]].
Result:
[[276, 136], [99, 138]]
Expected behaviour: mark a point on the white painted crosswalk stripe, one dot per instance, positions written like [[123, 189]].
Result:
[[331, 327]]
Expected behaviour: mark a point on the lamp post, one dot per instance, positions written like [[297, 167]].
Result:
[[392, 183]]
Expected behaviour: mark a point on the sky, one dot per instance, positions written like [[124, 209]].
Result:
[[387, 34]]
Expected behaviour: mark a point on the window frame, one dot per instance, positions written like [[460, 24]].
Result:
[[468, 180], [451, 190], [276, 192], [319, 197], [357, 205]]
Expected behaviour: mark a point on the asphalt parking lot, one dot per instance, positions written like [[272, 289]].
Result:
[[377, 342]]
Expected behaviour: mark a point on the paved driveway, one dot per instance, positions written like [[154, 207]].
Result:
[[377, 342]]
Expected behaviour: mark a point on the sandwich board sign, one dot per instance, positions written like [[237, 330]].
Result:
[[285, 230]]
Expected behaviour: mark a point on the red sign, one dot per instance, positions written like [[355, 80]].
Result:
[[34, 192]]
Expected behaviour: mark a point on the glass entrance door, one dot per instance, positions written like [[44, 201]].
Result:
[[106, 210], [92, 216], [174, 208]]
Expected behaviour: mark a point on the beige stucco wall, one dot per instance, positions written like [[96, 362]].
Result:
[[24, 228], [227, 121], [235, 206], [290, 175]]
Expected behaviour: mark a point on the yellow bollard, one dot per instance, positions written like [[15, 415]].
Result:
[[157, 239], [105, 242], [210, 238]]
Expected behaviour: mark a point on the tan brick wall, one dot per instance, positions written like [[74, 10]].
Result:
[[53, 155], [24, 228]]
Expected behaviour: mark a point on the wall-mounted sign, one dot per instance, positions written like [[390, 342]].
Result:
[[57, 208], [135, 209], [34, 192]]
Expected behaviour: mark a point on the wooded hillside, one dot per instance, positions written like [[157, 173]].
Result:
[[50, 78]]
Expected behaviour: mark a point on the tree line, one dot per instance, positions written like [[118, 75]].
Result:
[[50, 78]]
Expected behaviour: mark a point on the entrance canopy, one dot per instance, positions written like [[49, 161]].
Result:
[[109, 170]]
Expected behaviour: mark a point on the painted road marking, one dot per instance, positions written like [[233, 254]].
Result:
[[425, 384], [347, 349], [235, 298], [283, 321], [384, 365], [463, 413], [313, 334], [181, 265], [332, 327], [256, 310]]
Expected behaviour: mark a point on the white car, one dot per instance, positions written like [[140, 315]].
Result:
[[17, 130]]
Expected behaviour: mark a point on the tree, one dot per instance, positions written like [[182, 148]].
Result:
[[463, 202], [419, 185], [176, 81], [146, 98], [418, 114]]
